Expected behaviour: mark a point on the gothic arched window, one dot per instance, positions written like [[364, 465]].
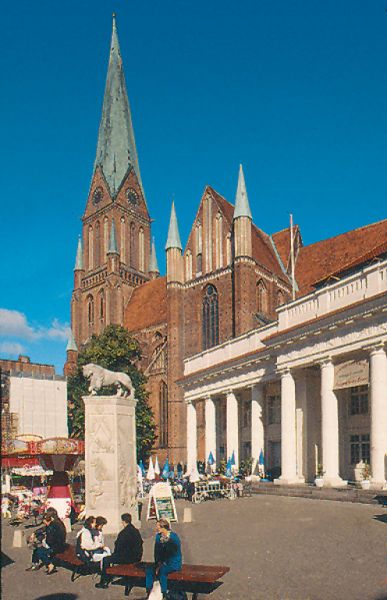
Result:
[[123, 240], [199, 248], [188, 265], [159, 358], [90, 313], [163, 403], [132, 245], [280, 298], [101, 307], [228, 249], [141, 250], [97, 241], [219, 241], [210, 323], [91, 244], [262, 298], [105, 237]]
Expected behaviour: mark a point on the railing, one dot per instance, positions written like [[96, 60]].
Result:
[[369, 282]]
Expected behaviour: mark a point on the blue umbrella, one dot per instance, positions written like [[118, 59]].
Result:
[[228, 468], [166, 469], [211, 459], [232, 459], [261, 460], [141, 465]]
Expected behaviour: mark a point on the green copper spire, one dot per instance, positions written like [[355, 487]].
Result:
[[113, 240], [242, 207], [71, 345], [173, 240], [153, 266], [116, 149], [79, 257]]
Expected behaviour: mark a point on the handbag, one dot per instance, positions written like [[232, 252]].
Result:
[[156, 592]]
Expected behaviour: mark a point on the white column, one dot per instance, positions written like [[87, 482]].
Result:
[[232, 427], [257, 426], [378, 394], [288, 430], [210, 421], [191, 436], [330, 427], [301, 414]]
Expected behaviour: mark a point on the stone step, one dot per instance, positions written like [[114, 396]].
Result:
[[348, 494]]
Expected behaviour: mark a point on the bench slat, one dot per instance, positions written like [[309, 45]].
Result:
[[191, 573]]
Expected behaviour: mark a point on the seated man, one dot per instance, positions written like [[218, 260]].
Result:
[[168, 558], [127, 549]]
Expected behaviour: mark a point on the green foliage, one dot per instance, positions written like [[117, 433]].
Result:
[[117, 350], [246, 466], [222, 467]]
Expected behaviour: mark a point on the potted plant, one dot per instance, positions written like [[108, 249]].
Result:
[[319, 479], [366, 473]]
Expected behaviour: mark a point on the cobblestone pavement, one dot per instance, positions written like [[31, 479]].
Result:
[[278, 548]]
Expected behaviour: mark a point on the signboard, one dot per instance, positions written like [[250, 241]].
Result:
[[161, 503], [351, 373]]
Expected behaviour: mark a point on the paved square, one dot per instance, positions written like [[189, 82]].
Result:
[[278, 548]]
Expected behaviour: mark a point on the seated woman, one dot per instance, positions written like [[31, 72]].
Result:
[[88, 541], [168, 558], [49, 540]]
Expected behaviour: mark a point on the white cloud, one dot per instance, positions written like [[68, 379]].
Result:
[[14, 324], [12, 348]]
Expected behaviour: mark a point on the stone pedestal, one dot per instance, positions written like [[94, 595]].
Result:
[[110, 457]]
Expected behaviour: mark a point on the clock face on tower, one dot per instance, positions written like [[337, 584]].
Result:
[[132, 196], [98, 195]]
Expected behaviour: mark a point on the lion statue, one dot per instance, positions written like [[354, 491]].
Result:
[[100, 377]]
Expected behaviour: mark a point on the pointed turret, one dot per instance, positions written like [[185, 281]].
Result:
[[153, 266], [174, 251], [242, 207], [113, 248], [71, 345], [173, 240], [116, 149], [70, 366], [79, 257]]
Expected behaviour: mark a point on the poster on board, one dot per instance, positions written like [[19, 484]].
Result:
[[161, 503]]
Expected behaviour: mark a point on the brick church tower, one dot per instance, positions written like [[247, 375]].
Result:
[[114, 251]]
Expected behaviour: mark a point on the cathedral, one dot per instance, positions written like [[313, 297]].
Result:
[[230, 277]]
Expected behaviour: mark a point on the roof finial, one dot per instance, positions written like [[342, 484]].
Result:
[[173, 240], [153, 266], [71, 344], [242, 207]]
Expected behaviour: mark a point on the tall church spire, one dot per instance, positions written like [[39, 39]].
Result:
[[153, 266], [242, 207], [116, 149]]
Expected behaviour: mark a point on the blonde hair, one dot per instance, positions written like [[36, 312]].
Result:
[[165, 524]]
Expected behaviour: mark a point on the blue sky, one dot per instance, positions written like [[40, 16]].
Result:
[[295, 90]]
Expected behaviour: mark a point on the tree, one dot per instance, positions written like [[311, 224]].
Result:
[[117, 350]]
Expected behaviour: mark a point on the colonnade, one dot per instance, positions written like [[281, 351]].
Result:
[[291, 454]]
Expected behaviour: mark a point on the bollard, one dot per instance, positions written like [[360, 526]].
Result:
[[18, 539], [187, 515]]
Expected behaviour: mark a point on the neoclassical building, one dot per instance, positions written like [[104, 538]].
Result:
[[229, 284], [307, 389]]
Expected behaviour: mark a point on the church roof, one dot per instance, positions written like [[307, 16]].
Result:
[[71, 344], [321, 260], [147, 306], [116, 149]]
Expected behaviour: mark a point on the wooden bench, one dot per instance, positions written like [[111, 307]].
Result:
[[194, 579], [77, 566]]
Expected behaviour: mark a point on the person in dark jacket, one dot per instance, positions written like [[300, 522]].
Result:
[[168, 557], [127, 549], [53, 541]]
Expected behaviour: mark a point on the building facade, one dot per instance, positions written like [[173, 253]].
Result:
[[229, 280], [34, 400]]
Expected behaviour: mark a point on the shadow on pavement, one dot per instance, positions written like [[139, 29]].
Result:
[[383, 519], [58, 596], [5, 560]]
